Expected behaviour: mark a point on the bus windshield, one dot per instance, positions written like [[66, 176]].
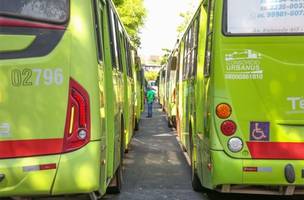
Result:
[[266, 17], [55, 11]]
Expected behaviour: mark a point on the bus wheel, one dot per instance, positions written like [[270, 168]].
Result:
[[95, 196], [169, 123], [196, 183], [136, 124], [116, 182]]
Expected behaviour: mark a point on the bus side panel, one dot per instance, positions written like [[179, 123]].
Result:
[[79, 171], [22, 176]]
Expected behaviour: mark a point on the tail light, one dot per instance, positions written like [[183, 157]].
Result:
[[228, 128], [235, 144], [77, 127], [223, 110]]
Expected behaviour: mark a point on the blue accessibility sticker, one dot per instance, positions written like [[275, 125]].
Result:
[[259, 131]]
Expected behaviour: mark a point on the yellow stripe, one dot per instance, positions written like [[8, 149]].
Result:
[[72, 120]]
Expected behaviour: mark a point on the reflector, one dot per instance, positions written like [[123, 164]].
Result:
[[223, 110], [228, 128]]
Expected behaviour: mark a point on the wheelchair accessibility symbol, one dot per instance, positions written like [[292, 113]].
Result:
[[259, 131]]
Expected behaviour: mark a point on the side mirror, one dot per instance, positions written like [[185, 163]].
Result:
[[173, 64]]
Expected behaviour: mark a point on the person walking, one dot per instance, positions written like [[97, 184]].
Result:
[[150, 96]]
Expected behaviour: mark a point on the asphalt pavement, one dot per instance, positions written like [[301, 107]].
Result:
[[155, 167]]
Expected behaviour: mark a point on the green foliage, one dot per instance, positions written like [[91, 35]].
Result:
[[118, 2], [165, 56], [132, 14], [187, 15], [150, 76], [186, 20]]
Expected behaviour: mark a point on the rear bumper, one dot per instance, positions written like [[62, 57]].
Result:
[[76, 172], [255, 176]]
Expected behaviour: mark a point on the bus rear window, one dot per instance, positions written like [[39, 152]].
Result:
[[55, 11], [264, 17]]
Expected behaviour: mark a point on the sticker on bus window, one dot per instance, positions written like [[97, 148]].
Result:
[[259, 131], [265, 16]]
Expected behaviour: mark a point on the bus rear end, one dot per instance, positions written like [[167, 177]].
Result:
[[44, 112], [258, 68]]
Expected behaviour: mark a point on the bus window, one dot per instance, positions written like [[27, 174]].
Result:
[[185, 58], [54, 11], [261, 17], [189, 52], [119, 34], [128, 57], [113, 39], [177, 66], [195, 44], [98, 27], [209, 7]]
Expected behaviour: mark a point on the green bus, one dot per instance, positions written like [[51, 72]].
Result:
[[170, 89], [65, 93], [138, 91], [161, 86], [239, 102]]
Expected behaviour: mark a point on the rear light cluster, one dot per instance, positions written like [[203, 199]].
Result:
[[229, 127], [77, 127], [223, 110]]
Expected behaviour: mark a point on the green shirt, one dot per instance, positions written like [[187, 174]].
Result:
[[150, 96]]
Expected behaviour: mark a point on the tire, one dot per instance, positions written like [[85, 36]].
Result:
[[136, 127], [116, 188], [123, 149], [116, 182], [174, 122], [169, 123], [195, 181]]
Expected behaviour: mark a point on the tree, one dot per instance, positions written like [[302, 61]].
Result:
[[165, 56], [187, 15], [151, 75], [186, 20], [132, 14], [118, 2]]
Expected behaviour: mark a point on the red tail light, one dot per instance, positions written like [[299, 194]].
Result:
[[77, 127], [228, 128]]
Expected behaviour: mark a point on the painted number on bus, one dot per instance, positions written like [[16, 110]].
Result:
[[29, 77]]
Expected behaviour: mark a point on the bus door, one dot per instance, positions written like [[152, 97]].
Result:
[[117, 95], [99, 20]]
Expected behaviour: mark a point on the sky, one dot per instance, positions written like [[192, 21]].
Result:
[[161, 23]]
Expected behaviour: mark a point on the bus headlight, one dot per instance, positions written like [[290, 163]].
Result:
[[235, 144]]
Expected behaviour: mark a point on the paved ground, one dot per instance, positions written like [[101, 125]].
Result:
[[155, 167]]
